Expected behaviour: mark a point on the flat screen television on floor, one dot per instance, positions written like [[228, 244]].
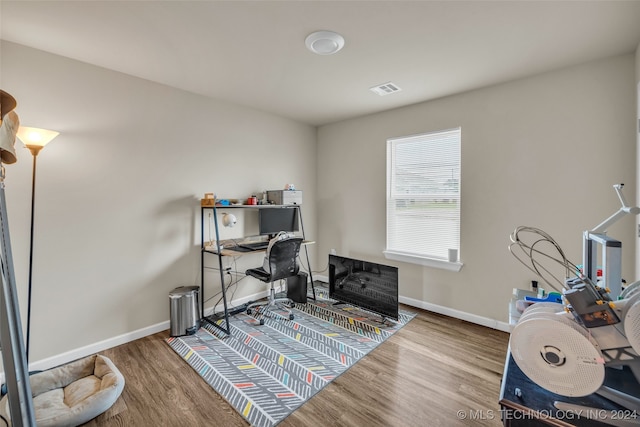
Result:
[[369, 285]]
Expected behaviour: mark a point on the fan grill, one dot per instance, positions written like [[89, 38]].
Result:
[[632, 324], [557, 354]]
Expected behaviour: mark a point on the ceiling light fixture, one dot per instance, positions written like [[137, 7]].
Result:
[[324, 42]]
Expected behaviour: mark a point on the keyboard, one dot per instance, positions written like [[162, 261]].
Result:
[[256, 246]]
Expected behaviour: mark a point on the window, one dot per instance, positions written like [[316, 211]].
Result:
[[423, 198]]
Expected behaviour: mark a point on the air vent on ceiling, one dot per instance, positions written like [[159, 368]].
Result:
[[385, 89]]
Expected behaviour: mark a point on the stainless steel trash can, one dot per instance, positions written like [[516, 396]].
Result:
[[185, 310]]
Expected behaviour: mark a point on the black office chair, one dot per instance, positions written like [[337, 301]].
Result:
[[282, 263]]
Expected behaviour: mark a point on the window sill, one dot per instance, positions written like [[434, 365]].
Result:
[[427, 262]]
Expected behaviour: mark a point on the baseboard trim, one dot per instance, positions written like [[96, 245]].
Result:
[[457, 314], [81, 352], [324, 279]]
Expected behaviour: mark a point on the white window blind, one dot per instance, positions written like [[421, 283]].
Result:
[[423, 195]]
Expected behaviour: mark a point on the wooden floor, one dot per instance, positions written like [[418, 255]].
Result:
[[423, 375]]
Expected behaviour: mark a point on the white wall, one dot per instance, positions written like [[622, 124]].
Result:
[[638, 63], [638, 152], [117, 221], [117, 200], [542, 151]]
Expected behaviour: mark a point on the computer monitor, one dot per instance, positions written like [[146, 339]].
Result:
[[271, 221]]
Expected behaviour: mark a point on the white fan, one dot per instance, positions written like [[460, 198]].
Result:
[[557, 354], [542, 307], [631, 319]]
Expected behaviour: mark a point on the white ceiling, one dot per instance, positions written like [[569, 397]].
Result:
[[253, 53]]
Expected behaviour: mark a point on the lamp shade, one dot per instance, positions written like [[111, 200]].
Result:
[[35, 139], [8, 129], [7, 103]]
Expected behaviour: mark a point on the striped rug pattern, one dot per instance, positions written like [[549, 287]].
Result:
[[267, 371]]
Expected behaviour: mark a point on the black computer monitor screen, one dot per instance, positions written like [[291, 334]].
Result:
[[271, 221], [365, 284]]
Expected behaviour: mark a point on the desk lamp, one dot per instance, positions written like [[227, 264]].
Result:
[[34, 139], [229, 220]]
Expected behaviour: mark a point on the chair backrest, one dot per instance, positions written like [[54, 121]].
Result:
[[283, 258]]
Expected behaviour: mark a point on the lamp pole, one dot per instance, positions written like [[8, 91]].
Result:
[[34, 139], [35, 149]]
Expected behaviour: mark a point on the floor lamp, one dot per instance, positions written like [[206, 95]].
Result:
[[34, 139]]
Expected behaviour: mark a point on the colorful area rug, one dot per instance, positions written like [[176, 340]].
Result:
[[267, 371]]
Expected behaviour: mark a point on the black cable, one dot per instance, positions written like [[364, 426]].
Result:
[[304, 268], [235, 269], [232, 283], [235, 259], [216, 294]]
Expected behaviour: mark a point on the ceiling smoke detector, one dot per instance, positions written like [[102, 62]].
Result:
[[324, 42], [385, 89]]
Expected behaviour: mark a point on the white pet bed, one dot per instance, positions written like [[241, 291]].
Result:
[[74, 393]]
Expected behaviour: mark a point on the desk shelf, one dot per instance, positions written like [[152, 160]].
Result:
[[220, 253]]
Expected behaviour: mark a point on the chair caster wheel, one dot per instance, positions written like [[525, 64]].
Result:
[[291, 317], [262, 321], [248, 311]]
